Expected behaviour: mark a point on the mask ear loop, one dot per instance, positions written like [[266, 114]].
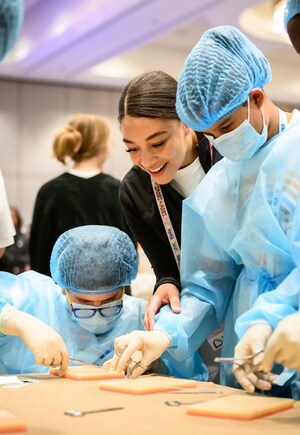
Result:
[[263, 118]]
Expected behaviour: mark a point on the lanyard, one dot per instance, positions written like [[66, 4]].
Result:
[[166, 221]]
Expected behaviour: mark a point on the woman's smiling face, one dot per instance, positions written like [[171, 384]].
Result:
[[158, 146]]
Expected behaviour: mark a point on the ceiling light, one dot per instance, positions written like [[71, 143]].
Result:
[[278, 16], [265, 21], [20, 51]]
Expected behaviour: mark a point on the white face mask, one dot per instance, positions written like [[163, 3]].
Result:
[[98, 324], [241, 143]]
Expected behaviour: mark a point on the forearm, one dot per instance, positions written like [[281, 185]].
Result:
[[5, 310], [12, 321], [190, 328]]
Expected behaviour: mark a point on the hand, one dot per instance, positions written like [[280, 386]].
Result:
[[165, 294], [284, 344], [151, 344], [47, 345], [249, 374]]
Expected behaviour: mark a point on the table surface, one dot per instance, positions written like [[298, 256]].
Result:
[[42, 406]]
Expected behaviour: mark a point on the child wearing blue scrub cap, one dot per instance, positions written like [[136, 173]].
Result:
[[79, 311], [240, 228]]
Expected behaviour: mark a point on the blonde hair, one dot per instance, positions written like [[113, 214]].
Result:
[[84, 137]]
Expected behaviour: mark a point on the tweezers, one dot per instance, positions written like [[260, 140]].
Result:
[[236, 360], [129, 370]]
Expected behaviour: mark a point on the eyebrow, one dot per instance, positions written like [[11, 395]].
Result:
[[220, 124], [152, 136], [83, 300], [112, 298]]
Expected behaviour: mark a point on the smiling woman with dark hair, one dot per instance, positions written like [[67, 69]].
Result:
[[170, 159]]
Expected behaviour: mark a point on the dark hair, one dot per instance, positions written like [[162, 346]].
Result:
[[149, 95]]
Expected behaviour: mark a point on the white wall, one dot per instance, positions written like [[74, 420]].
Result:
[[29, 116]]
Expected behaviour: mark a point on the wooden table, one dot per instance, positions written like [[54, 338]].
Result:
[[42, 406]]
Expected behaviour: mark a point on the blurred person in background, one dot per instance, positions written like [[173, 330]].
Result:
[[16, 257], [83, 195], [11, 19]]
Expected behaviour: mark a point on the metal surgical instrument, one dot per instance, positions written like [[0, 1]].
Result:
[[236, 360], [76, 413]]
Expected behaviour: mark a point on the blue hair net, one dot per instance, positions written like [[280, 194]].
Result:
[[292, 8], [219, 73], [93, 259], [11, 18]]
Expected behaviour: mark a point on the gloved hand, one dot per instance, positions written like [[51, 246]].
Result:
[[284, 344], [151, 344], [47, 345], [249, 374], [164, 295]]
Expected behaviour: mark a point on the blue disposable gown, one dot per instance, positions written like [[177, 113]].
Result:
[[240, 239], [274, 306], [39, 296]]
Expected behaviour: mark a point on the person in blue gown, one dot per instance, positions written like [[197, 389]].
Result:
[[80, 311], [273, 324], [248, 205]]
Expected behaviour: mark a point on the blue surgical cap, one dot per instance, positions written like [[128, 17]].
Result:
[[217, 77], [11, 18], [93, 259], [292, 8]]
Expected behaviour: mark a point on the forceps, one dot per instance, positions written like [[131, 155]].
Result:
[[129, 368], [233, 360]]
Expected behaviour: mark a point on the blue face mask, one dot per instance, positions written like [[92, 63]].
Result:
[[241, 143], [98, 323]]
